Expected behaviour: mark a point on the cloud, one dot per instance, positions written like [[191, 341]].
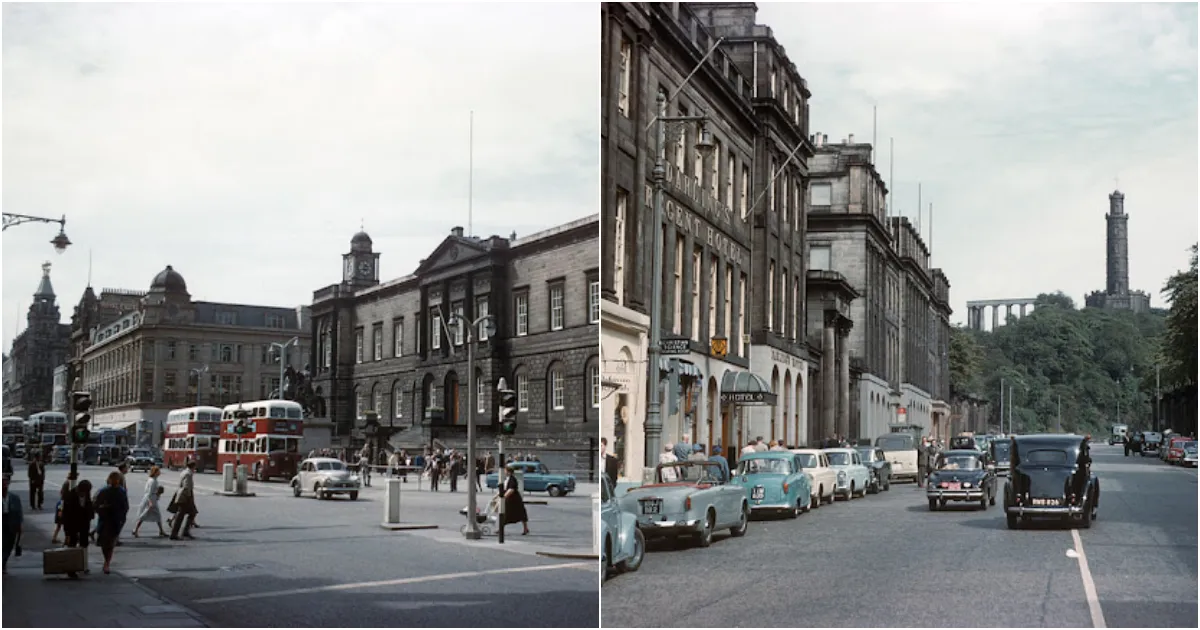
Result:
[[1016, 119], [243, 144]]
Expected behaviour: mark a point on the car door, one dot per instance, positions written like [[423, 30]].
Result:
[[860, 470], [302, 476]]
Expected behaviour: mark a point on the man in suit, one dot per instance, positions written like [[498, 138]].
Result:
[[37, 478], [612, 464]]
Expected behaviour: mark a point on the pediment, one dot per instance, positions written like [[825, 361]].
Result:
[[452, 251]]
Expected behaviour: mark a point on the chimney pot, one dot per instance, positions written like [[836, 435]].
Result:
[[456, 230], [824, 138], [513, 236], [851, 139]]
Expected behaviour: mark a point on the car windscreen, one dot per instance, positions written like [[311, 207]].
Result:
[[330, 466], [959, 462], [759, 466], [865, 454], [1045, 457], [703, 472], [895, 442], [808, 460], [1003, 449], [838, 459], [1189, 447]]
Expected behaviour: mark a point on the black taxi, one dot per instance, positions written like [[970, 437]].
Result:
[[1051, 476]]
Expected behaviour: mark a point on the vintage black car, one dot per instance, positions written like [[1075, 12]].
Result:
[[961, 475], [878, 466], [1051, 476], [999, 450]]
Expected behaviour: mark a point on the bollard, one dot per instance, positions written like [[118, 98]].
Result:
[[241, 479], [227, 474], [391, 502], [596, 523]]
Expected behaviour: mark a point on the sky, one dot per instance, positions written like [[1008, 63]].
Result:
[[245, 144], [1017, 121]]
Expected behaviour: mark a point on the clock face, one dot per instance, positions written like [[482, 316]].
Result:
[[364, 269]]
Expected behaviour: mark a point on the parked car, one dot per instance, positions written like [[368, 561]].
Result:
[[60, 455], [326, 476], [1000, 451], [879, 467], [821, 478], [688, 499], [538, 478], [1151, 443], [901, 450], [624, 545], [143, 459], [1051, 476], [1173, 453], [774, 481], [1189, 454], [852, 476], [19, 450], [961, 475]]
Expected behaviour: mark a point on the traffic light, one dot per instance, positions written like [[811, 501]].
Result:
[[81, 403], [508, 411], [241, 428]]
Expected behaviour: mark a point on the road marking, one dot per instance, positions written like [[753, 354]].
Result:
[[396, 582], [1089, 586]]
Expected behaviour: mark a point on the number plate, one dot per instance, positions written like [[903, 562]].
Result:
[[652, 506], [954, 486], [758, 493], [1045, 501]]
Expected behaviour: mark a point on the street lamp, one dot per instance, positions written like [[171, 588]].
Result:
[[241, 415], [60, 242], [471, 531], [282, 362], [198, 371]]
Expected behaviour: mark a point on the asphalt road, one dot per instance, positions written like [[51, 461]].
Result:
[[275, 560], [885, 560]]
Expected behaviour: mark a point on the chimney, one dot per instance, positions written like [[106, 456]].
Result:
[[824, 138], [851, 139], [513, 236], [457, 231]]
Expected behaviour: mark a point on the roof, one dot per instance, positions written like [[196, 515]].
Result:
[[246, 315], [962, 451], [840, 449], [169, 280], [323, 459]]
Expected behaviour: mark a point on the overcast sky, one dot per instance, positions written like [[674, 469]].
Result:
[[243, 144], [1016, 119]]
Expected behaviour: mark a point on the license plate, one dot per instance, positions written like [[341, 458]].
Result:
[[954, 486], [651, 507], [1045, 501], [758, 493]]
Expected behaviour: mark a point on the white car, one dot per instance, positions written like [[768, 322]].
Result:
[[852, 475], [326, 477], [1189, 454], [822, 479]]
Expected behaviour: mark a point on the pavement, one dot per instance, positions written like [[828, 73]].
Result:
[[277, 560], [886, 561]]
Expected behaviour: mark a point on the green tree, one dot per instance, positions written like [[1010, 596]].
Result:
[[1179, 340], [966, 359]]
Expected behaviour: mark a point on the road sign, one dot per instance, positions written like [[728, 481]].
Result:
[[675, 345]]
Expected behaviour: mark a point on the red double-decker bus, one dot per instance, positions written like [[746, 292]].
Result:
[[191, 434], [271, 448]]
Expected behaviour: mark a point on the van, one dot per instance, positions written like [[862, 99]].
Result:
[[901, 450]]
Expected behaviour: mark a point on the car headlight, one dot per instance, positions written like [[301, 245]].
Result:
[[324, 482], [841, 476], [353, 477], [967, 484]]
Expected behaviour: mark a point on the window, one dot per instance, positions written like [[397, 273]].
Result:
[[398, 400], [771, 296], [618, 277], [798, 200], [556, 306], [379, 407], [266, 356], [714, 174], [626, 73], [773, 81], [698, 170], [784, 185], [168, 384], [275, 321], [771, 185], [713, 265], [269, 387], [148, 384], [522, 392], [594, 375], [170, 350], [228, 318], [557, 389], [377, 341], [593, 301], [460, 328], [729, 170], [743, 195], [226, 353], [481, 310], [328, 348], [398, 337], [480, 396], [677, 305], [193, 352], [435, 329], [820, 195], [680, 142], [819, 258], [522, 308], [360, 401], [696, 271], [796, 310], [728, 302], [358, 345]]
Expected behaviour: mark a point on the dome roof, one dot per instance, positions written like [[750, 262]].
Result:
[[360, 242], [169, 280]]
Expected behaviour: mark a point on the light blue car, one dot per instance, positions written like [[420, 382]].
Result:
[[853, 478], [774, 481], [623, 544]]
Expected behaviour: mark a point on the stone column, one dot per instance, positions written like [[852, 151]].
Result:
[[1007, 312], [995, 317], [843, 415], [1023, 310], [829, 396]]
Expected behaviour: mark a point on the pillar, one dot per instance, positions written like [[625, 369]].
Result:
[[829, 396], [995, 317], [843, 415], [1023, 305], [1007, 312]]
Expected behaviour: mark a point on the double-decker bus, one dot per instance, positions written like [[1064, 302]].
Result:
[[14, 432], [272, 446], [191, 434], [45, 430]]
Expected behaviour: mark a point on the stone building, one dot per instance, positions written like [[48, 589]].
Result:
[[395, 347], [163, 351], [35, 353], [1116, 293]]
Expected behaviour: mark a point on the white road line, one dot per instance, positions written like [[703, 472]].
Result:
[[396, 582], [1089, 586]]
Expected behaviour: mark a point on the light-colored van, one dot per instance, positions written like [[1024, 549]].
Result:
[[901, 450]]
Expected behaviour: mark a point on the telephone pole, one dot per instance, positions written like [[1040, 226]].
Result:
[[1058, 421]]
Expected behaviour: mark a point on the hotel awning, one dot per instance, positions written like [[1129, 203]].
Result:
[[745, 388], [682, 368]]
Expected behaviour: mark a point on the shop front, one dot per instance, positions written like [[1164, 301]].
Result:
[[741, 392], [623, 377], [787, 376]]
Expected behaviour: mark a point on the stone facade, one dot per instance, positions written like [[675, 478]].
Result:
[[143, 354], [35, 353], [394, 348]]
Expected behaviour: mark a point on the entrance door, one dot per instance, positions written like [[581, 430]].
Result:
[[452, 402]]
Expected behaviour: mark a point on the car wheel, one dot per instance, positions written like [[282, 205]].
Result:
[[634, 562], [555, 491], [1085, 519], [983, 503], [814, 503], [797, 510], [1012, 521], [887, 483], [317, 491], [606, 566], [933, 505], [743, 524], [706, 531], [354, 495], [942, 504], [809, 505], [296, 489]]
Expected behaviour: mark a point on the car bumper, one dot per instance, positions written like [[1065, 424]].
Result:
[[1045, 510], [772, 507], [340, 489], [653, 529], [971, 494], [1002, 472]]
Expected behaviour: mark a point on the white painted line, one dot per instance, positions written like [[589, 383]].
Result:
[[396, 582], [1089, 586]]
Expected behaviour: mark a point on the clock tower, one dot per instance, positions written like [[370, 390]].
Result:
[[360, 268]]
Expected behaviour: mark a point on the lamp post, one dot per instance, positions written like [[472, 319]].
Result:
[[241, 414], [471, 531], [60, 242], [198, 372], [283, 360]]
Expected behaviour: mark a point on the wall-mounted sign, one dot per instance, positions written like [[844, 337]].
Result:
[[719, 346], [747, 398], [675, 345]]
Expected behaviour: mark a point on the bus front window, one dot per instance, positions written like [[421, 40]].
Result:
[[293, 445]]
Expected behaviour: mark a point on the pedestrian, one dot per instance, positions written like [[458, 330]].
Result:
[[514, 505], [922, 462], [148, 510], [13, 519], [184, 504], [37, 477], [479, 468], [697, 454], [718, 458], [63, 492], [364, 466], [684, 448], [760, 445], [435, 472], [668, 474], [778, 446], [455, 470], [111, 506], [612, 463], [749, 447], [78, 512]]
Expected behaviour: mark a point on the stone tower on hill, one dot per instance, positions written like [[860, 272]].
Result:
[[1116, 293]]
